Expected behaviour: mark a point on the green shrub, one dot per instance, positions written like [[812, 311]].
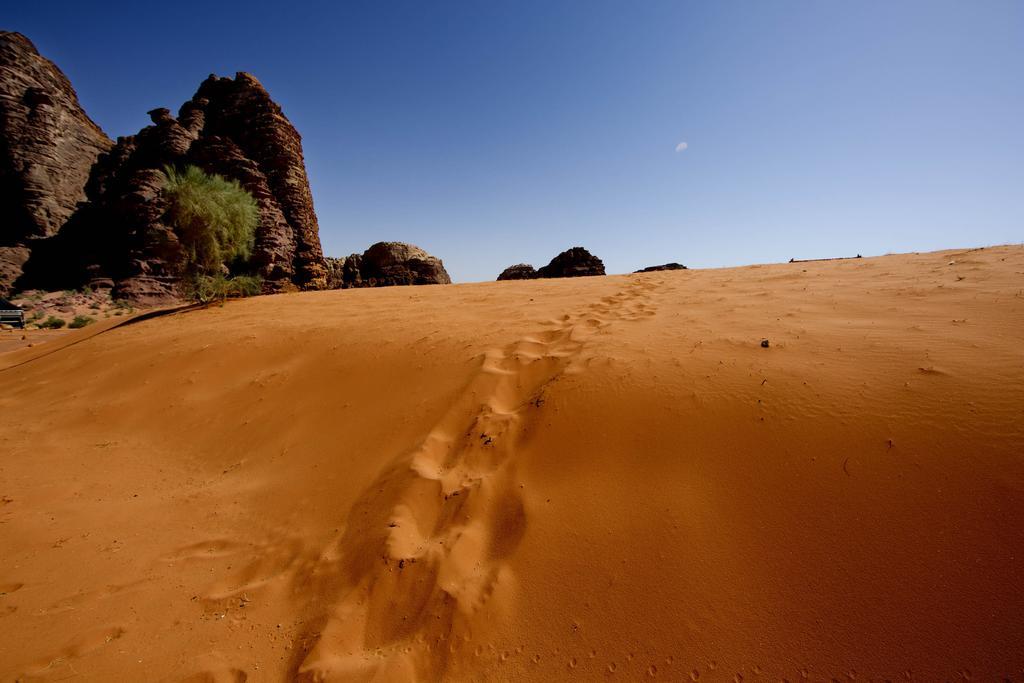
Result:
[[214, 219], [207, 288], [245, 285], [52, 323], [81, 321]]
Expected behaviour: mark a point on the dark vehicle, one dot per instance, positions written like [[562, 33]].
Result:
[[11, 314]]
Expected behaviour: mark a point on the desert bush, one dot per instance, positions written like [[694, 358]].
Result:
[[207, 288], [81, 321], [52, 323], [214, 218]]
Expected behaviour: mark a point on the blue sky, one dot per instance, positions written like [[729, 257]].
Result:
[[493, 133]]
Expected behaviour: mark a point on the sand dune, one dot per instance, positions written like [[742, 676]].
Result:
[[602, 478]]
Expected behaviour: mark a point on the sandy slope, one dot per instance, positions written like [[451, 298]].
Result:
[[596, 478]]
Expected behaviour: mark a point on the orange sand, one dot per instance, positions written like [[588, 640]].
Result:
[[602, 478]]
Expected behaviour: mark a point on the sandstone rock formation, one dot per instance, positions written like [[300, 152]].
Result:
[[335, 271], [575, 262], [520, 271], [119, 238], [387, 264], [239, 113], [47, 146], [666, 266], [397, 263]]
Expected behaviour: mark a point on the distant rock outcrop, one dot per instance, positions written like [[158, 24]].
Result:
[[666, 266], [47, 146], [575, 262], [230, 127], [387, 264], [520, 271]]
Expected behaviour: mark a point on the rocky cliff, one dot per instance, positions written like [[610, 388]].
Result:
[[54, 158], [241, 119], [230, 127], [387, 264], [47, 147]]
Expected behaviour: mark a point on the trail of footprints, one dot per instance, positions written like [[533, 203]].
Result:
[[426, 544], [423, 547]]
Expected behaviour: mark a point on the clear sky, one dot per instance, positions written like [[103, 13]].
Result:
[[493, 133]]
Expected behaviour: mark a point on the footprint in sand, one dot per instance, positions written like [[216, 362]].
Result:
[[81, 645], [7, 588], [225, 675], [426, 545]]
